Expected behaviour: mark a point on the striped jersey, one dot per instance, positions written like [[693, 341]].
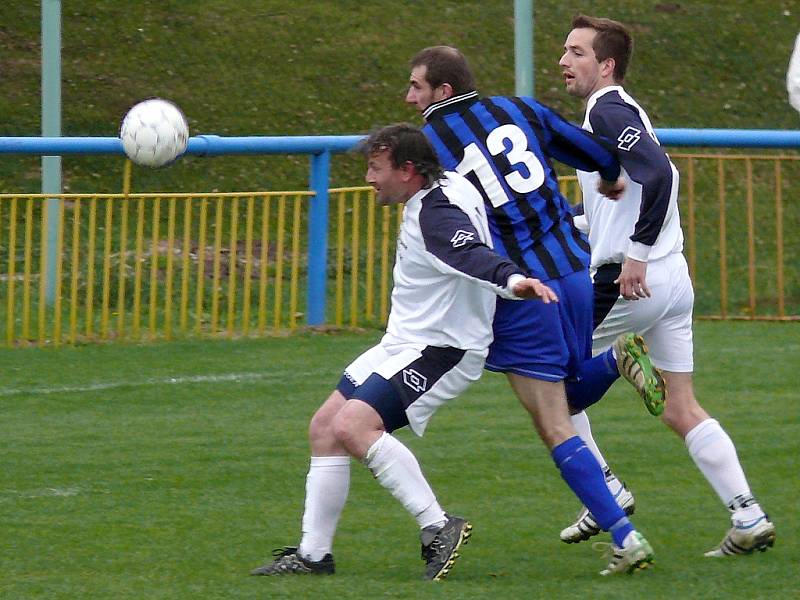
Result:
[[504, 146], [644, 224], [446, 275]]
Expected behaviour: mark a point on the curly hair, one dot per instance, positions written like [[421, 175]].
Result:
[[405, 143]]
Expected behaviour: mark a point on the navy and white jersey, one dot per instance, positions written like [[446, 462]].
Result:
[[504, 146], [644, 223], [446, 275]]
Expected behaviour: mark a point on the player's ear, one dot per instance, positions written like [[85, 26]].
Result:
[[408, 170], [447, 91], [607, 67]]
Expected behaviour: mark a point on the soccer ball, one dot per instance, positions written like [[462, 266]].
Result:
[[154, 133]]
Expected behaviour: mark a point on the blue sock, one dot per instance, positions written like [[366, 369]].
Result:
[[580, 469], [597, 375]]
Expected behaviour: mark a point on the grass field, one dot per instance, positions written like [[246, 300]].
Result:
[[170, 470]]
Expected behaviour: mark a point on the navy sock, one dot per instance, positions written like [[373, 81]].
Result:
[[597, 375], [580, 469]]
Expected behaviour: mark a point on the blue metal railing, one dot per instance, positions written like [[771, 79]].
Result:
[[320, 148]]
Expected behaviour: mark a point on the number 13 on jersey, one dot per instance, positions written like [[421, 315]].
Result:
[[509, 140]]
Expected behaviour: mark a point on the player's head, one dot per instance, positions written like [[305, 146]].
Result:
[[437, 73], [596, 54], [400, 162]]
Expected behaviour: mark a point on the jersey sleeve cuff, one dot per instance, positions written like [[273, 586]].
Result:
[[512, 281], [639, 251], [581, 223]]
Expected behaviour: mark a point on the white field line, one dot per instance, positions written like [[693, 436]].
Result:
[[155, 381]]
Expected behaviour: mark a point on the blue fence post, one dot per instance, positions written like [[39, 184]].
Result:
[[318, 237]]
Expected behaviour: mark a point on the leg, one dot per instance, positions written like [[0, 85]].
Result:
[[327, 487], [538, 346], [710, 447], [359, 428], [327, 482], [585, 525], [547, 404], [385, 402], [616, 351], [714, 453]]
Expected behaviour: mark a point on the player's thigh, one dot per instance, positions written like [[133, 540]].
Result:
[[321, 422], [670, 340], [636, 316]]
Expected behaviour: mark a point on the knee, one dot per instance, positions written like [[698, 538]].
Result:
[[320, 429], [682, 413], [344, 430]]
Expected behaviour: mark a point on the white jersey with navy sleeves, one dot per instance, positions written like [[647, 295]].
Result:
[[446, 275], [644, 224]]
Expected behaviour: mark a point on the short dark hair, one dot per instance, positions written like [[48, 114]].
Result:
[[405, 143], [613, 40], [445, 64]]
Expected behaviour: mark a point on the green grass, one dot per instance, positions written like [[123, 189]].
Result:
[[126, 471]]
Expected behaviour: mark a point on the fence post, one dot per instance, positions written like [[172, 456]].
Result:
[[318, 238], [51, 127]]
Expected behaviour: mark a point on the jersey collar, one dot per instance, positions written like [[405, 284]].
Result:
[[596, 96], [448, 105]]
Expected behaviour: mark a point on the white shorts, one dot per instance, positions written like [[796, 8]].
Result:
[[407, 382], [664, 319]]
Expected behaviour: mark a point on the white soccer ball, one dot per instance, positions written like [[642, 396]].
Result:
[[154, 133]]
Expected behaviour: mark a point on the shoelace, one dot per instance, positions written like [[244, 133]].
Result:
[[608, 549], [285, 551], [433, 550]]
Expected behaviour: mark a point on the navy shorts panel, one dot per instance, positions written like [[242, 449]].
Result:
[[390, 398], [346, 386], [383, 396], [545, 341], [606, 292]]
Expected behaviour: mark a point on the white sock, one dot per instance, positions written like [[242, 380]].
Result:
[[584, 429], [327, 486], [715, 455], [396, 469]]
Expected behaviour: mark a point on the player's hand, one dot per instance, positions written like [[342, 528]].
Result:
[[530, 288], [633, 280], [612, 189]]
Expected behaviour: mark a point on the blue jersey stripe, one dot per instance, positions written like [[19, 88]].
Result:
[[525, 221], [533, 227]]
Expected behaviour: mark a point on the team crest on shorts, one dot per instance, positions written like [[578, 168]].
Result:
[[415, 380]]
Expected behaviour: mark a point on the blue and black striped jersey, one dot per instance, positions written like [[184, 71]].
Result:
[[503, 146]]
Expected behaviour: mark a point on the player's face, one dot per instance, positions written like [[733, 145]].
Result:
[[420, 93], [582, 73], [388, 181]]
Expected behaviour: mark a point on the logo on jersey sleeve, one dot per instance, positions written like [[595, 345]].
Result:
[[415, 380], [461, 237], [628, 138]]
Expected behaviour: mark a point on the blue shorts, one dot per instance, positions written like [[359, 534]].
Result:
[[545, 341]]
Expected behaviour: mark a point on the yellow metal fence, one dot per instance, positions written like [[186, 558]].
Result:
[[158, 266]]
